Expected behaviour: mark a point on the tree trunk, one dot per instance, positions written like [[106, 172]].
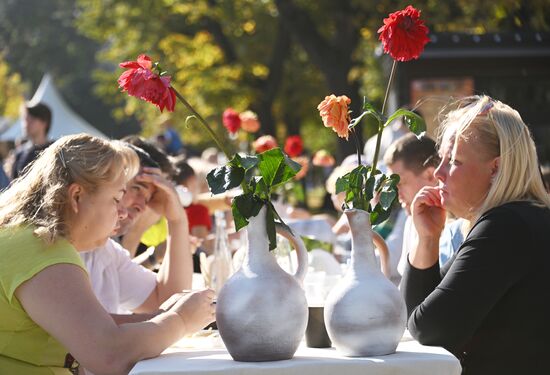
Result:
[[333, 58], [267, 89]]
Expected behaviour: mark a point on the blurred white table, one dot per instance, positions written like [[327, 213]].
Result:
[[410, 358]]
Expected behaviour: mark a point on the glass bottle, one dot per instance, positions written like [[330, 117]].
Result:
[[222, 265]]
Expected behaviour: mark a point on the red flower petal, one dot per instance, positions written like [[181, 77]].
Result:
[[294, 146], [141, 82], [231, 120], [144, 61], [404, 34]]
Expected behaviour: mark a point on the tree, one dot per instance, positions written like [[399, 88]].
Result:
[[38, 36], [216, 52], [12, 89]]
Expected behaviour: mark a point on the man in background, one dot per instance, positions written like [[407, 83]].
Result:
[[37, 120], [414, 159]]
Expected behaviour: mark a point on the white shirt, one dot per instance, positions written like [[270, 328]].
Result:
[[395, 245], [449, 242], [119, 284]]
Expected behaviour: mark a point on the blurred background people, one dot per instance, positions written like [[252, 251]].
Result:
[[37, 120], [414, 159]]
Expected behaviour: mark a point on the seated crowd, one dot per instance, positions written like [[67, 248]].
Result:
[[82, 289]]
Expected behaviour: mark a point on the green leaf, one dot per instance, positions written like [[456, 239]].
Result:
[[244, 207], [246, 161], [389, 191], [369, 187], [276, 168], [378, 181], [378, 214], [367, 106], [270, 227], [260, 188], [387, 197], [238, 218], [350, 195], [356, 178], [395, 179], [415, 122], [224, 178], [342, 183]]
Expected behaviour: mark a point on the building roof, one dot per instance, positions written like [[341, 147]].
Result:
[[519, 44]]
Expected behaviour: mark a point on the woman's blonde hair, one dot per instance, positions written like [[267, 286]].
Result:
[[39, 197], [499, 131]]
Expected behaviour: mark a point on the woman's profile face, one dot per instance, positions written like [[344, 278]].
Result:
[[98, 214], [464, 175]]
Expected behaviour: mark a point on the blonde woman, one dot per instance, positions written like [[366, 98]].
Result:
[[69, 201], [489, 304]]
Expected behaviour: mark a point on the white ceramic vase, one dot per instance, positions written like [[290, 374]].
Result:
[[261, 310], [365, 313]]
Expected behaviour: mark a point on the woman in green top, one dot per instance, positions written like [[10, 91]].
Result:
[[69, 201]]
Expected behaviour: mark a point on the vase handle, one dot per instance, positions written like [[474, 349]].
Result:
[[301, 251], [384, 252]]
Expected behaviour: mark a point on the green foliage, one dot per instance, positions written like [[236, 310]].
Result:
[[367, 188], [313, 243], [38, 37], [275, 168], [12, 89], [221, 53], [370, 191]]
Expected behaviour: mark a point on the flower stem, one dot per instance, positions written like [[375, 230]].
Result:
[[205, 124], [380, 125], [392, 74], [357, 146], [211, 132]]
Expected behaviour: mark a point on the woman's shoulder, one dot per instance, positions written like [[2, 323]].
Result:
[[23, 255], [17, 234], [512, 218], [22, 246], [527, 210]]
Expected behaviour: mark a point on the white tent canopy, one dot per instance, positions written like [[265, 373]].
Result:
[[64, 120]]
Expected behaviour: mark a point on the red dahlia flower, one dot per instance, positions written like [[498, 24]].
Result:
[[264, 143], [404, 34], [231, 120], [294, 146], [140, 81]]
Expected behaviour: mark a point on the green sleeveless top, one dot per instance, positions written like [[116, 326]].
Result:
[[25, 348]]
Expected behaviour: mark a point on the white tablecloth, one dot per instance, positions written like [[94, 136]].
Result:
[[411, 358]]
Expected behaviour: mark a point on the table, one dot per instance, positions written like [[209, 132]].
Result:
[[410, 358]]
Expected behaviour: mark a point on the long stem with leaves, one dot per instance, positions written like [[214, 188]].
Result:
[[380, 125]]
